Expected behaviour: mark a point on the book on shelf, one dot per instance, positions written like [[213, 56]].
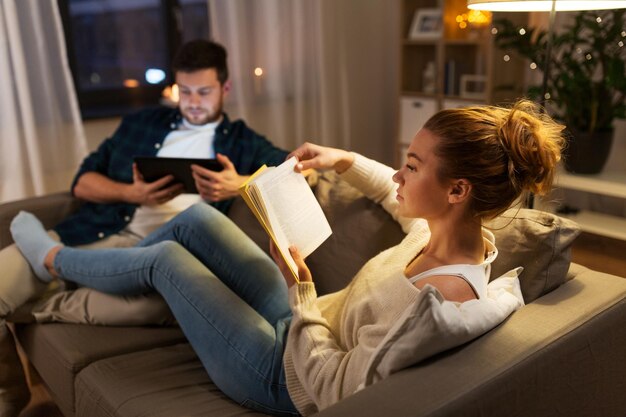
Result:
[[286, 207]]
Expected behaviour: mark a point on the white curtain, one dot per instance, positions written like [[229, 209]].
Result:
[[330, 70], [41, 133]]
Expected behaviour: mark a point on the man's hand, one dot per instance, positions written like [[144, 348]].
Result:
[[217, 186], [98, 188], [152, 193]]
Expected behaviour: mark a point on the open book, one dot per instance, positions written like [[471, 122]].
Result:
[[284, 204]]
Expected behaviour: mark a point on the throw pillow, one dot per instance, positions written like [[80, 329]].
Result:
[[432, 325], [538, 241]]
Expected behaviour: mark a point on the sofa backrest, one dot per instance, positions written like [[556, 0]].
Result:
[[538, 241]]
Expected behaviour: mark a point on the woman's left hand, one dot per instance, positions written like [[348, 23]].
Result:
[[304, 274]]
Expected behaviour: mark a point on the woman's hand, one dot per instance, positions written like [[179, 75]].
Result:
[[322, 157], [303, 271]]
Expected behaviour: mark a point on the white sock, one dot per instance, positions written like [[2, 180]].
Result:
[[33, 241]]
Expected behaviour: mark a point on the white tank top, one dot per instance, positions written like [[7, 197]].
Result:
[[477, 276]]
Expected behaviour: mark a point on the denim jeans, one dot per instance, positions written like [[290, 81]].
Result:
[[228, 296]]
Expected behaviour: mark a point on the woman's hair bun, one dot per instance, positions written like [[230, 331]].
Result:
[[533, 143]]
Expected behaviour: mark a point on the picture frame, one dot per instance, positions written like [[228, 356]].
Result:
[[426, 24], [473, 86]]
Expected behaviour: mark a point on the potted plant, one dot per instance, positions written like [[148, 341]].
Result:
[[587, 79]]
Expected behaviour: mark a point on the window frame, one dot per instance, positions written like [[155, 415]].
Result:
[[113, 102]]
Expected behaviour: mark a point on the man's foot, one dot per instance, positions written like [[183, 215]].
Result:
[[33, 241]]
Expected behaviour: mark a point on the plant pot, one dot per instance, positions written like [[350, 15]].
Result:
[[586, 153]]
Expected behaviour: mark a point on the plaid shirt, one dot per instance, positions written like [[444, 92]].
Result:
[[143, 134]]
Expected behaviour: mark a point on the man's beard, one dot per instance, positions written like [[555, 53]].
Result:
[[201, 117]]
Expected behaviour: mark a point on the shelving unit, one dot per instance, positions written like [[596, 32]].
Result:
[[456, 53], [607, 183]]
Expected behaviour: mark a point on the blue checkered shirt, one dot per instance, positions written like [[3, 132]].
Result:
[[142, 134]]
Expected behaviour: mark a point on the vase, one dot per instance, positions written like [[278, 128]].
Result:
[[585, 152]]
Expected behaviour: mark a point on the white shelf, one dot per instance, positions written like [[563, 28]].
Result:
[[600, 224], [606, 183]]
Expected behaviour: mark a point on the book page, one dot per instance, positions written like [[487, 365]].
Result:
[[292, 210]]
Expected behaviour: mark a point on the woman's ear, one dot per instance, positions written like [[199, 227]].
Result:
[[459, 191]]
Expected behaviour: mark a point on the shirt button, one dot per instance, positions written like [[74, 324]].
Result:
[[225, 131], [126, 218], [157, 145], [173, 125], [100, 235]]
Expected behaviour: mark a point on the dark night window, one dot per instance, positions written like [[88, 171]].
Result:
[[120, 50]]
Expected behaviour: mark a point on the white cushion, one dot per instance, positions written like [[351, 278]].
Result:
[[432, 325]]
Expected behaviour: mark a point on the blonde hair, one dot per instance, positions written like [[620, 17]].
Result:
[[504, 153]]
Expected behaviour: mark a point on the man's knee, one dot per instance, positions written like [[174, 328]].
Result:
[[18, 284]]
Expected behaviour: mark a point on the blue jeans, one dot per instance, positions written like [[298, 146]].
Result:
[[228, 296]]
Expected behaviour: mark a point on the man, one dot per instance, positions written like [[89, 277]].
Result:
[[121, 208]]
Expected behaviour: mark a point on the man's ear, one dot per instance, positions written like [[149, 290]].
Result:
[[227, 87], [459, 191]]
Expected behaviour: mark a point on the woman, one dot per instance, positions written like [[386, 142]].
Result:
[[279, 348]]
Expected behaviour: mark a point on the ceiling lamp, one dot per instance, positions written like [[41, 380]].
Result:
[[544, 5]]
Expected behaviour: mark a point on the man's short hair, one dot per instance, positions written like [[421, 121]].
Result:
[[201, 54]]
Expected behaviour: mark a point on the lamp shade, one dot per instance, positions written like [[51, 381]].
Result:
[[544, 5]]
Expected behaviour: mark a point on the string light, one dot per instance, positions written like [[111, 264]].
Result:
[[473, 18], [522, 31], [533, 66], [506, 58]]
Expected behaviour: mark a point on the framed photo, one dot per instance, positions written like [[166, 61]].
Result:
[[473, 86], [426, 24]]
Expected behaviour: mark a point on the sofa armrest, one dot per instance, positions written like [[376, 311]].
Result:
[[562, 354], [50, 209]]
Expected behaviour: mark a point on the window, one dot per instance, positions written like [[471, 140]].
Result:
[[120, 50]]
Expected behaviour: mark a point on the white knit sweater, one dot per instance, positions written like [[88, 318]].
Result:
[[332, 337]]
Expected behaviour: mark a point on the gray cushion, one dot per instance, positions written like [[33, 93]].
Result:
[[60, 351], [162, 382], [540, 242]]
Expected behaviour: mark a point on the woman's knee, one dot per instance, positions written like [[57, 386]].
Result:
[[202, 216]]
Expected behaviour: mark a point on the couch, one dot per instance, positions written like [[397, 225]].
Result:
[[562, 354]]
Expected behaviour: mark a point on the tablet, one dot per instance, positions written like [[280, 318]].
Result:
[[152, 168]]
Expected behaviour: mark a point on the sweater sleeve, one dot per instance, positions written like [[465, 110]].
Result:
[[375, 181], [327, 372]]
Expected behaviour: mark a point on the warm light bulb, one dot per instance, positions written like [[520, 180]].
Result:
[[258, 71], [131, 83], [171, 93]]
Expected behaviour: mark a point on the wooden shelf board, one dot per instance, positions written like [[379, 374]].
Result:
[[600, 224], [606, 183]]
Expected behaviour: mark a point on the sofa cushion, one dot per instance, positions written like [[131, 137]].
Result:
[[541, 242], [162, 382], [60, 351]]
